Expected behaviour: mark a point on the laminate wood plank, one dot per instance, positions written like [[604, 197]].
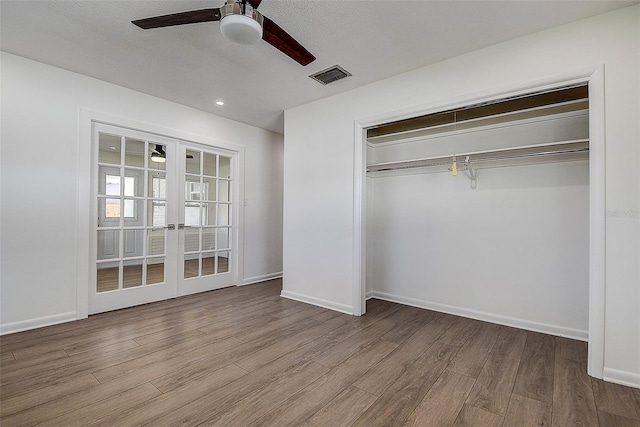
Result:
[[7, 340], [60, 406], [22, 381], [461, 330], [172, 316], [245, 329], [178, 376], [92, 323], [235, 390], [441, 405], [163, 361], [573, 401], [343, 410], [103, 349], [203, 408], [145, 338], [273, 351], [258, 403], [109, 322], [402, 315], [475, 351], [246, 351], [275, 336], [571, 349], [610, 420], [158, 407], [405, 394], [276, 312], [376, 307], [6, 358], [89, 343], [310, 311], [526, 412], [232, 328], [170, 320], [470, 416], [187, 308], [279, 327], [236, 327], [493, 388], [95, 339], [615, 399], [407, 327], [52, 356], [535, 375], [347, 348], [314, 397], [377, 379], [327, 315], [201, 302], [352, 327], [377, 310], [46, 394], [119, 402]]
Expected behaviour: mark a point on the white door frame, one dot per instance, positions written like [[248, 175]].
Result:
[[594, 77], [85, 223]]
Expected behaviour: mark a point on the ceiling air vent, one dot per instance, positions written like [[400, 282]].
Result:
[[331, 74]]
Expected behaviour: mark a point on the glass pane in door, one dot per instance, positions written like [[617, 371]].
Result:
[[155, 270], [131, 240], [207, 210]]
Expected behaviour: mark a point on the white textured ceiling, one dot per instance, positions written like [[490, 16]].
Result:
[[194, 65]]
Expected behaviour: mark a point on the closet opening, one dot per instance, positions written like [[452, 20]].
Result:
[[485, 210]]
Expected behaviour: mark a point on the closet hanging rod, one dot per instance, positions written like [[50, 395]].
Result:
[[577, 147]]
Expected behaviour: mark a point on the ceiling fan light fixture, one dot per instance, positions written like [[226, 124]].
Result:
[[158, 155], [158, 158], [241, 23]]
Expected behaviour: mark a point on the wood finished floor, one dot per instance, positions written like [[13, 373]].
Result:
[[246, 357]]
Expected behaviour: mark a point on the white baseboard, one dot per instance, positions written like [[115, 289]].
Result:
[[263, 278], [487, 317], [368, 295], [331, 305], [24, 325], [630, 379]]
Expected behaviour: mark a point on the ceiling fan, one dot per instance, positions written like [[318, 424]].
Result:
[[240, 22], [158, 154]]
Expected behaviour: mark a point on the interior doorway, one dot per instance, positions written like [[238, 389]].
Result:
[[165, 213]]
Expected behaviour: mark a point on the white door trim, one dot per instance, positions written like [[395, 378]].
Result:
[[594, 77], [84, 191]]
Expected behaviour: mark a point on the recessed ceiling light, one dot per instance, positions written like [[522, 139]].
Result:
[[221, 103]]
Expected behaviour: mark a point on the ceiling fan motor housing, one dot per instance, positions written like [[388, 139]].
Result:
[[240, 22]]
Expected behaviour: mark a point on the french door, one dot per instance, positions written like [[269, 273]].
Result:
[[164, 211], [206, 232]]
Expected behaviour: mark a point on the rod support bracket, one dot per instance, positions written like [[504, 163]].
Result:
[[473, 172]]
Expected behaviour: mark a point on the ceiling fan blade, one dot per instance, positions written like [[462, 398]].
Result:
[[191, 17], [254, 3], [281, 40]]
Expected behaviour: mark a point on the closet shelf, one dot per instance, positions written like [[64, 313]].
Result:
[[564, 151], [531, 154]]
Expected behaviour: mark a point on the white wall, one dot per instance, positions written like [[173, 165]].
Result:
[[41, 142], [319, 159], [515, 250]]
